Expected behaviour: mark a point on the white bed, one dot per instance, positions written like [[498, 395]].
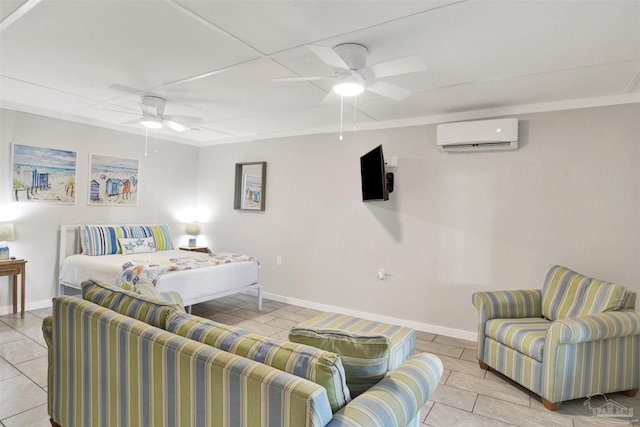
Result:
[[194, 286]]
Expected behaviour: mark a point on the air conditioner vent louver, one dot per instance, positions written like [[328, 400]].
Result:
[[482, 135]]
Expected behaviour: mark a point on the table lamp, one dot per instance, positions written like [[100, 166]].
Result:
[[193, 230], [7, 232]]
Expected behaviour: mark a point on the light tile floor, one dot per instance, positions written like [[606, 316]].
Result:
[[466, 396]]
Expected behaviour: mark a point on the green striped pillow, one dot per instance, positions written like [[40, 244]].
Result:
[[567, 294], [365, 356], [322, 367], [151, 310]]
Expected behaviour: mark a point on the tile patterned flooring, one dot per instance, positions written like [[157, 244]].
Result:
[[466, 396]]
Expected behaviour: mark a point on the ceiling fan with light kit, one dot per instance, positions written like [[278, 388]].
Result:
[[153, 116], [353, 76]]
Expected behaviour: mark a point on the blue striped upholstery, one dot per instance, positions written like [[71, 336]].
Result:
[[592, 346], [111, 370], [523, 335], [567, 293], [395, 400], [153, 311], [107, 369], [321, 367], [369, 349]]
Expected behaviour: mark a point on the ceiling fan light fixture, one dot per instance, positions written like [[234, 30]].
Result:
[[151, 122], [348, 88]]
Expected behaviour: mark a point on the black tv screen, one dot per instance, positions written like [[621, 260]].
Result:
[[374, 177]]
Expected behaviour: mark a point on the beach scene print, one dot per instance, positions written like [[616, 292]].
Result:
[[113, 180], [43, 174], [252, 192]]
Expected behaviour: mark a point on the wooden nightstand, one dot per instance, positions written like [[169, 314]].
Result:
[[202, 249], [13, 267]]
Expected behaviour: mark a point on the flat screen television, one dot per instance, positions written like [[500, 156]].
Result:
[[376, 182]]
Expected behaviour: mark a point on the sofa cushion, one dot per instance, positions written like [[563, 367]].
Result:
[[322, 367], [148, 309], [369, 349], [567, 294], [524, 335]]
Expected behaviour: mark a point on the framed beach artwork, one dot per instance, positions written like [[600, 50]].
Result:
[[43, 174], [113, 180], [251, 180]]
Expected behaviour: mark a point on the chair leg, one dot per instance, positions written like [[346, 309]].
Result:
[[550, 406], [630, 393], [483, 365]]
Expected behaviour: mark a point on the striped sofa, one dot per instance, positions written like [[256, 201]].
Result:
[[575, 338], [108, 366]]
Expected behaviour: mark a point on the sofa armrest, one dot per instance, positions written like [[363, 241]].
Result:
[[504, 305], [396, 399], [610, 324], [508, 304]]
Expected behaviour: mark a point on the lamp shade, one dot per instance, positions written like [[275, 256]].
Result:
[[7, 231], [192, 229]]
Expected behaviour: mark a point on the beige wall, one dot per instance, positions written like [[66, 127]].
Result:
[[455, 224]]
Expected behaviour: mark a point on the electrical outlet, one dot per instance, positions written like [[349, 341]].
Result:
[[279, 260]]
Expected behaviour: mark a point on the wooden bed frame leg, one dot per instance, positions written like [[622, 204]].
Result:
[[550, 406], [260, 298], [630, 393], [483, 365]]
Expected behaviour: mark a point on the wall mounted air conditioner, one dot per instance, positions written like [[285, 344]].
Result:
[[481, 135]]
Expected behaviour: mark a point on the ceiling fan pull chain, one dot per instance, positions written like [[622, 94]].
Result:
[[146, 139], [341, 110], [355, 112], [156, 148]]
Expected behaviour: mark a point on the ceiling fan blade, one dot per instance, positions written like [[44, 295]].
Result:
[[329, 56], [388, 90], [331, 98], [192, 120], [406, 65], [178, 127], [301, 79]]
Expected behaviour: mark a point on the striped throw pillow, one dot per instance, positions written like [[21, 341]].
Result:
[[160, 234], [322, 367], [151, 310], [365, 356], [567, 294], [102, 239]]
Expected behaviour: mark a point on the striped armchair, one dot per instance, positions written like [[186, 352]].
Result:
[[576, 337]]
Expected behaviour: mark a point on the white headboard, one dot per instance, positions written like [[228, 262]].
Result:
[[69, 242]]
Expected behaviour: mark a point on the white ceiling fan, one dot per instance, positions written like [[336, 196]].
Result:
[[354, 76], [153, 116]]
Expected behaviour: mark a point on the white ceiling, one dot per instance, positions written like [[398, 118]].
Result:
[[89, 61]]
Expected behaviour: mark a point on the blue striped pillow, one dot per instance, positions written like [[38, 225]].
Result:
[[160, 234], [103, 240]]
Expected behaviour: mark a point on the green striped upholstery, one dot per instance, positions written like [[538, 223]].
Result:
[[395, 400], [523, 335], [321, 367], [504, 305], [567, 293], [595, 350], [368, 349], [153, 311], [522, 369], [109, 369]]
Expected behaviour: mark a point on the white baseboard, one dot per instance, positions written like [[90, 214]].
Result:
[[35, 305], [418, 326]]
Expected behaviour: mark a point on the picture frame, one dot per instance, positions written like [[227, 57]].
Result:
[[250, 186], [113, 181], [43, 175]]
